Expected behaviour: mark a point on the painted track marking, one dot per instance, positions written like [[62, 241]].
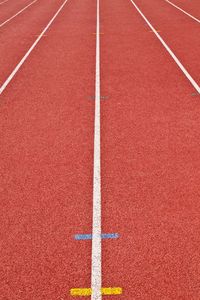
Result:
[[183, 11], [96, 219], [18, 13], [16, 69], [183, 69], [88, 291], [103, 236], [3, 2]]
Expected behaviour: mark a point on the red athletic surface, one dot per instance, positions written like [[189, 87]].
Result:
[[149, 143], [191, 7], [46, 158], [179, 31], [11, 7], [21, 32]]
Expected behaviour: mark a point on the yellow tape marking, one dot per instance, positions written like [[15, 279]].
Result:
[[111, 291], [81, 292], [88, 292]]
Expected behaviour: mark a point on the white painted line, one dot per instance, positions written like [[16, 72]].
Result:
[[183, 11], [19, 12], [3, 2], [96, 279], [183, 69], [4, 85]]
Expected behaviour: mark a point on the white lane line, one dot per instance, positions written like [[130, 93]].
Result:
[[19, 12], [183, 11], [96, 279], [183, 69], [4, 85], [3, 2]]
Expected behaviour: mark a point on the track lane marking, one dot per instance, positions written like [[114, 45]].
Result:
[[88, 291], [183, 69], [3, 2], [18, 13], [89, 236], [197, 20], [96, 267], [16, 69]]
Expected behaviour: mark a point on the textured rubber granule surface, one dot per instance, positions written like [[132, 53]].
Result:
[[150, 163], [46, 162], [149, 151]]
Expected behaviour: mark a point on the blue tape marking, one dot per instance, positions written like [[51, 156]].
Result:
[[103, 236], [83, 236], [109, 235]]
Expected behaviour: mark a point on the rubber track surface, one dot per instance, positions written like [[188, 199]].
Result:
[[150, 162], [149, 144], [46, 162]]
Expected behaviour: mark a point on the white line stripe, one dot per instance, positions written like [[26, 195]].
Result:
[[4, 85], [183, 11], [96, 280], [3, 2], [183, 69], [19, 12]]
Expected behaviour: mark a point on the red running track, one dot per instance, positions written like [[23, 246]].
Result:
[[178, 30], [191, 7], [150, 153], [10, 8], [19, 34], [46, 155], [150, 145]]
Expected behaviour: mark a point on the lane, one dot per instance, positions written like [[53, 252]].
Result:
[[168, 49], [178, 30], [11, 7], [17, 14], [150, 163], [47, 117], [18, 35], [183, 11], [28, 53], [191, 7]]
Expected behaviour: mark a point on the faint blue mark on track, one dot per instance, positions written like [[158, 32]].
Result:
[[89, 236]]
